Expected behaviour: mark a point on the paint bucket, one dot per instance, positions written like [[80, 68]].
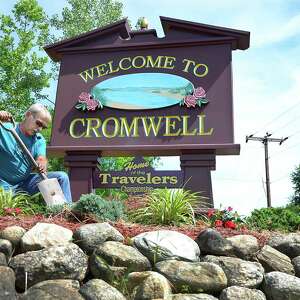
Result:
[[51, 192]]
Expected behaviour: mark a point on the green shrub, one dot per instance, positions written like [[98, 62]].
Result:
[[276, 218], [168, 207], [95, 205]]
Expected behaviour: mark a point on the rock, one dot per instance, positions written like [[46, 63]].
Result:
[[113, 259], [148, 285], [97, 289], [166, 244], [196, 276], [244, 246], [191, 297], [273, 260], [88, 236], [65, 283], [13, 234], [52, 289], [6, 248], [288, 244], [239, 272], [3, 261], [57, 262], [7, 283], [296, 263], [211, 242], [44, 235], [241, 293], [281, 286]]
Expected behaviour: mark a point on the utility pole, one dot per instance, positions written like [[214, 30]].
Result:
[[265, 140]]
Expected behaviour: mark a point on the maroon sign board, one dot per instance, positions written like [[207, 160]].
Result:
[[124, 92]]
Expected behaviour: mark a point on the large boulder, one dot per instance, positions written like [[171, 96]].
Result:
[[114, 259], [288, 244], [6, 248], [273, 260], [3, 261], [13, 234], [44, 235], [296, 264], [57, 262], [239, 272], [211, 242], [281, 286], [7, 283], [191, 297], [53, 289], [166, 244], [148, 285], [241, 293], [244, 246], [196, 276], [88, 236], [97, 289]]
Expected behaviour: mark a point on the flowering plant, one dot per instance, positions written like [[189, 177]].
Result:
[[195, 97], [87, 102], [224, 218], [13, 211]]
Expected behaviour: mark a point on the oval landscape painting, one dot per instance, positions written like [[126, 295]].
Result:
[[142, 91]]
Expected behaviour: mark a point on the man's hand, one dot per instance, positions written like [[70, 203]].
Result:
[[5, 116], [42, 162]]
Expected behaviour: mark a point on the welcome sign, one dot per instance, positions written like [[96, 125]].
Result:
[[124, 92]]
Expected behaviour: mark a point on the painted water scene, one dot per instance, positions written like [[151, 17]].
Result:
[[142, 91]]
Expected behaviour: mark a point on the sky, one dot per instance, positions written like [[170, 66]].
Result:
[[266, 89]]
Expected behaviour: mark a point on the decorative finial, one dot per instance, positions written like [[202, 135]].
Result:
[[142, 23]]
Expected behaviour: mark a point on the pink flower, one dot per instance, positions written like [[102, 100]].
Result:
[[92, 104], [229, 208], [199, 92], [190, 100], [8, 210], [84, 97], [18, 210], [230, 224], [218, 223], [210, 212]]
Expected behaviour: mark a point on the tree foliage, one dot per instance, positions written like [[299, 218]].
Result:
[[22, 73], [295, 176], [81, 16]]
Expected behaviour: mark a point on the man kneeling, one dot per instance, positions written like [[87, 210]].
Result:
[[15, 166]]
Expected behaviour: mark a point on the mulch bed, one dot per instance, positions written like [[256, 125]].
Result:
[[128, 230]]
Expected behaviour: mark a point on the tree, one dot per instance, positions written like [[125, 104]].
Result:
[[295, 176], [86, 15], [22, 73]]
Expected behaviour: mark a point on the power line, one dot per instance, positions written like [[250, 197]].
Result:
[[265, 140]]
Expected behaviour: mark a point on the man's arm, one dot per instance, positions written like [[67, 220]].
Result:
[[42, 162]]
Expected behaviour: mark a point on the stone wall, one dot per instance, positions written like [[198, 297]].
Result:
[[50, 262]]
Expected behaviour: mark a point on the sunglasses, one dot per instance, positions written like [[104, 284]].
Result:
[[40, 124]]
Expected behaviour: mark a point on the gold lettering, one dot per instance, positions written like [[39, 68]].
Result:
[[121, 63], [188, 63], [111, 68], [123, 180], [72, 125], [101, 70], [141, 180], [204, 72], [173, 180], [92, 128], [116, 127], [185, 126], [115, 179], [104, 178], [152, 126], [169, 62], [201, 119], [85, 75], [153, 64], [156, 180], [133, 127], [135, 59], [171, 125]]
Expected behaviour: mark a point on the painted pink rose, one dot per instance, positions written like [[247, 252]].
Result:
[[199, 92], [92, 104], [190, 100], [84, 97]]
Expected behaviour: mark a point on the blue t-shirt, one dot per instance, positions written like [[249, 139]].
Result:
[[15, 165]]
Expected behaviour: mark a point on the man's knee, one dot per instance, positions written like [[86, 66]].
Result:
[[60, 175]]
